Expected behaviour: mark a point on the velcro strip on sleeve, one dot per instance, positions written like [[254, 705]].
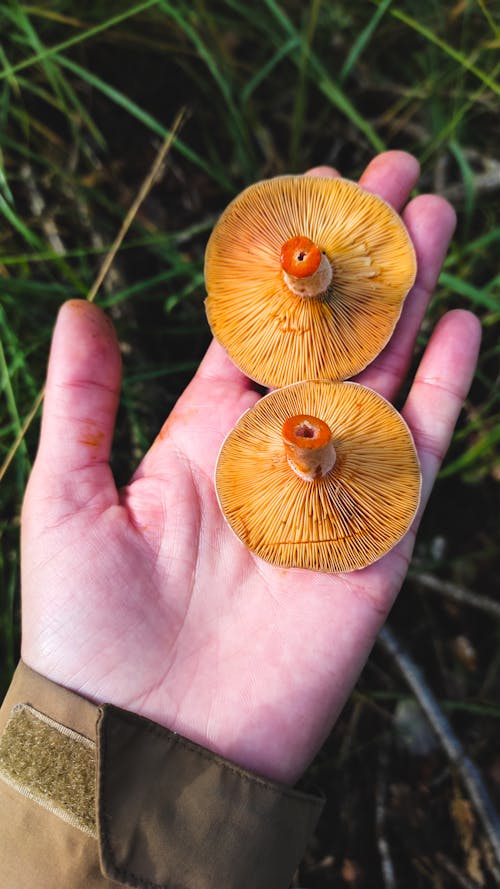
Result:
[[50, 764]]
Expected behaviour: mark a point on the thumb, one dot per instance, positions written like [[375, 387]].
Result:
[[81, 400]]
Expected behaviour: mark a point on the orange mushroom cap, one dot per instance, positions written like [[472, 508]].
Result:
[[342, 520], [259, 310]]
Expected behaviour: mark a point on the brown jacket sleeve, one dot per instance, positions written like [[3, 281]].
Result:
[[94, 797]]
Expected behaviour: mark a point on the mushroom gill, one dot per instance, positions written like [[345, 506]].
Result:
[[306, 278], [345, 515]]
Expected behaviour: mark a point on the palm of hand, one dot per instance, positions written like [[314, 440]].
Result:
[[145, 597]]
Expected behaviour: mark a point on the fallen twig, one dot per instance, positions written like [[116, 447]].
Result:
[[465, 767], [484, 180], [387, 867], [456, 592], [453, 871]]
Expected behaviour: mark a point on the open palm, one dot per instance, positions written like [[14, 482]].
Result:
[[144, 597]]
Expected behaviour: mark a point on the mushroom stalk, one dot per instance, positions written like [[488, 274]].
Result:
[[308, 447], [307, 272]]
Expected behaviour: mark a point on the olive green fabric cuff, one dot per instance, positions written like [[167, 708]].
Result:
[[199, 820], [166, 813]]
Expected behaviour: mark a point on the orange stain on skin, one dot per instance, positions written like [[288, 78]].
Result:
[[163, 433], [95, 315], [178, 418], [92, 438]]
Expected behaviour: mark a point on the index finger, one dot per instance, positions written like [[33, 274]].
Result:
[[391, 175], [430, 221]]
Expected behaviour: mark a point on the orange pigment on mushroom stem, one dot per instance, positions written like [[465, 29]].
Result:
[[300, 257], [308, 446], [307, 271]]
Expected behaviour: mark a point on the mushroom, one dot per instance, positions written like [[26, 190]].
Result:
[[321, 475], [306, 278]]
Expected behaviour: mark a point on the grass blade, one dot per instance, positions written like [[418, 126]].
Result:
[[50, 52], [264, 72], [241, 135], [299, 108], [484, 446], [455, 54], [467, 179], [143, 117], [362, 40], [325, 83], [463, 288]]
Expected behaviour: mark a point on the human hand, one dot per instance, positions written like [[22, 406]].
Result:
[[144, 597]]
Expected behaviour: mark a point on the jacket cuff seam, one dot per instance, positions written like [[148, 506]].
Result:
[[274, 787]]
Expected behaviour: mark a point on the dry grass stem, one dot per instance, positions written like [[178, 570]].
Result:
[[144, 190], [453, 871], [386, 863], [136, 203]]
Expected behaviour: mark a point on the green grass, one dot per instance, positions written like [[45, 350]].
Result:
[[86, 96]]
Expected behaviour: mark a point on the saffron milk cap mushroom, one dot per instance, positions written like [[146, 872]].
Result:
[[321, 475], [306, 278]]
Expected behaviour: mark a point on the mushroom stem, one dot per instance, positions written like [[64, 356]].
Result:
[[308, 446], [307, 271]]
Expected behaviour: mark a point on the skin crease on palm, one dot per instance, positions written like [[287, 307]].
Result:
[[144, 597]]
